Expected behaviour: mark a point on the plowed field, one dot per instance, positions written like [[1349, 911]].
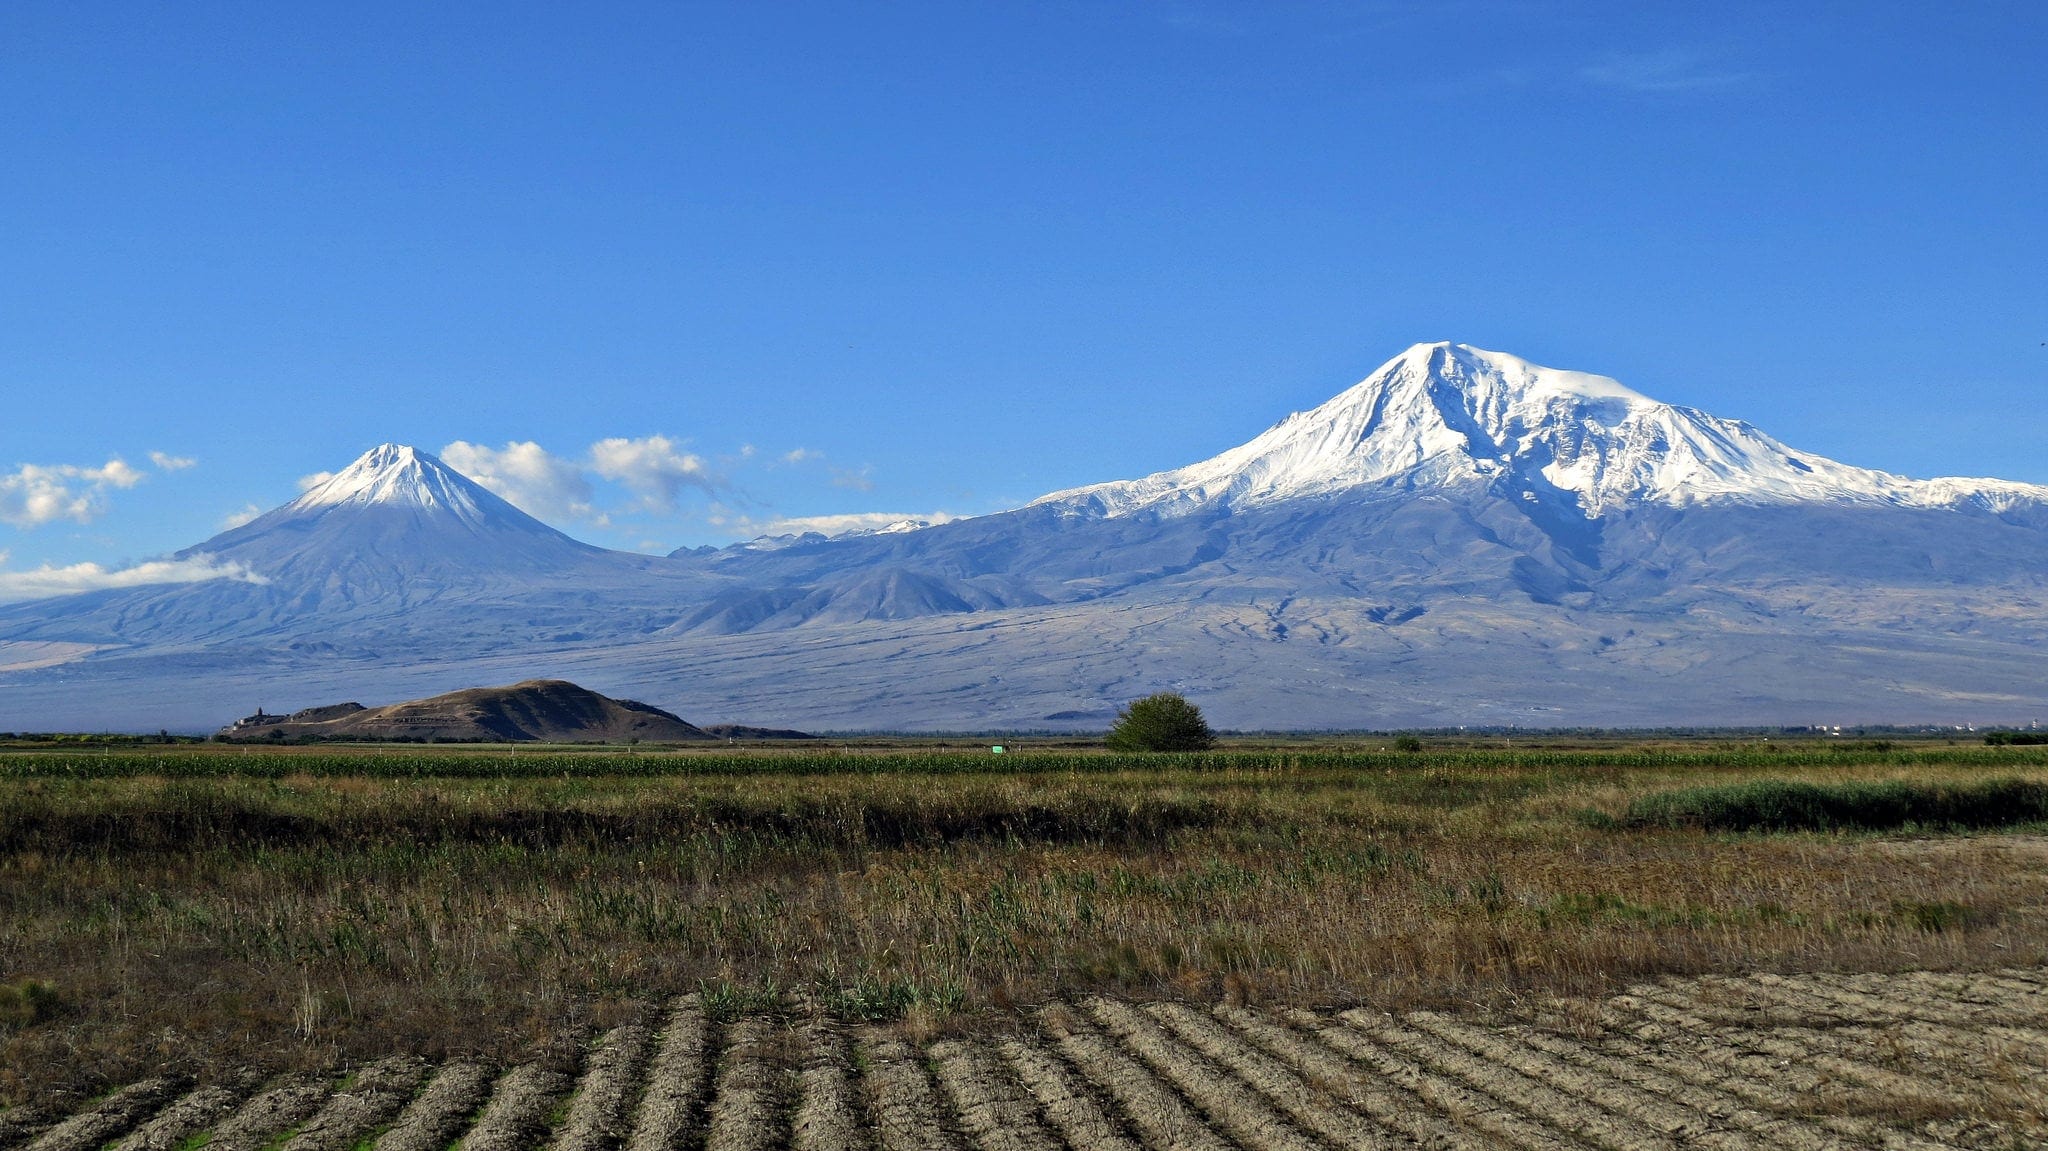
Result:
[[1920, 1060]]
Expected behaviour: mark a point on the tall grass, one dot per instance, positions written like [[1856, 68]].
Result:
[[632, 762], [1877, 805], [277, 908]]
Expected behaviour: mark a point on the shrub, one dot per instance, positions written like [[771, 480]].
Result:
[[1161, 722], [30, 1001]]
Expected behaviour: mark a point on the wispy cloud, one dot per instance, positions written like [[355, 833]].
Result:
[[800, 455], [308, 483], [831, 525], [528, 476], [1664, 70], [237, 518], [36, 494], [860, 479], [167, 462], [54, 581]]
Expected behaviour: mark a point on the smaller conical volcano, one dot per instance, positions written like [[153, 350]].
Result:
[[395, 517]]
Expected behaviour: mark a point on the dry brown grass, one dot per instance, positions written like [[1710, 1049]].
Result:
[[305, 921]]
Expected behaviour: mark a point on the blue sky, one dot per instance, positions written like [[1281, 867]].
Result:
[[679, 273]]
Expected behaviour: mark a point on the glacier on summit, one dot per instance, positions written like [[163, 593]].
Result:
[[1442, 413], [1463, 537]]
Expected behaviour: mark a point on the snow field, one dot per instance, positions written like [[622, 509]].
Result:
[[1914, 1062]]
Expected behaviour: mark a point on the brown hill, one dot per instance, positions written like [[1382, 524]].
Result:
[[539, 710]]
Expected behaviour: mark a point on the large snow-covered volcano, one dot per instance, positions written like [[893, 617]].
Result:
[[1440, 414], [1462, 537]]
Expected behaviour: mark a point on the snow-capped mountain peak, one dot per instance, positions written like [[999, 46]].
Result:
[[1441, 413], [395, 474], [390, 516]]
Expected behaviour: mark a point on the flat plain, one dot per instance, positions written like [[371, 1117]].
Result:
[[1640, 945]]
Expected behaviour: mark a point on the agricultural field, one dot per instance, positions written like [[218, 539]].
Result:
[[1745, 945], [1812, 1061]]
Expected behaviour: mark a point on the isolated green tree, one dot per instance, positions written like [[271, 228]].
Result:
[[1162, 722]]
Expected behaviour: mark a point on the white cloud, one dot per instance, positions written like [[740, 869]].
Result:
[[236, 519], [1669, 70], [833, 525], [53, 581], [308, 483], [37, 494], [857, 479], [170, 463], [526, 475], [799, 456], [655, 467]]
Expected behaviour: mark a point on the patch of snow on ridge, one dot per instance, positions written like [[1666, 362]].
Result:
[[1441, 414]]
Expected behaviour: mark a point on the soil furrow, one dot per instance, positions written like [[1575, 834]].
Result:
[[441, 1112], [995, 1115], [828, 1114], [1950, 1035], [1805, 996], [516, 1118], [1068, 1105], [2030, 1042], [270, 1114], [907, 1112], [1459, 1103], [1160, 1117], [108, 1118], [191, 1115], [2033, 978], [1569, 1116], [1316, 1108], [379, 1092], [669, 1111], [1780, 1085], [22, 1122], [1394, 1108], [1969, 990], [2028, 1000], [1633, 1104], [746, 1106], [598, 1118], [1806, 1047], [1229, 1104], [1849, 1003], [1688, 1094], [1913, 995]]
